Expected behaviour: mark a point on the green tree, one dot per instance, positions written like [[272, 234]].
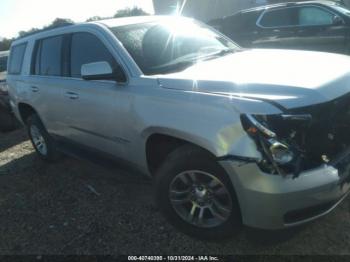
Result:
[[31, 31], [135, 11], [95, 18], [58, 22], [5, 44]]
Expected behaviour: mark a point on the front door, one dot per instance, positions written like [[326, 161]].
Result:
[[94, 110]]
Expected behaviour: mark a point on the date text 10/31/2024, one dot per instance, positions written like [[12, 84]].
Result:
[[173, 258]]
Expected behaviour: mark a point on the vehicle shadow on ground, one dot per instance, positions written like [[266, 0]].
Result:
[[272, 237], [94, 187], [13, 138], [17, 165]]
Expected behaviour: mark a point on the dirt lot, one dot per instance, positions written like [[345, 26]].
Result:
[[74, 207]]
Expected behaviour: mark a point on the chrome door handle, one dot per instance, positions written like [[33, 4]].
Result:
[[71, 95], [34, 89]]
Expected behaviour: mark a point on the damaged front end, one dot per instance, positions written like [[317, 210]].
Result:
[[302, 139]]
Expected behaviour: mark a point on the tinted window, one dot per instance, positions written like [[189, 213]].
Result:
[[16, 59], [279, 18], [311, 15], [3, 63], [87, 48], [241, 22], [49, 57]]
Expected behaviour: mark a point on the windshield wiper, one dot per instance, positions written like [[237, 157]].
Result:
[[183, 64], [173, 67], [220, 53]]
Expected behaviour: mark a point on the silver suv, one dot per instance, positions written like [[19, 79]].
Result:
[[230, 136]]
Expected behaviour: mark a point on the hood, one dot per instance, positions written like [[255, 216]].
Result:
[[289, 78]]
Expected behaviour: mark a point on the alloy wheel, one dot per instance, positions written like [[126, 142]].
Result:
[[200, 199], [38, 140]]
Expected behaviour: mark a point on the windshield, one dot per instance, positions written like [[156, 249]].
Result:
[[342, 9], [171, 45]]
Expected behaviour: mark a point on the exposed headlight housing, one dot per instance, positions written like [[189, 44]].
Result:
[[260, 127], [278, 154], [281, 153]]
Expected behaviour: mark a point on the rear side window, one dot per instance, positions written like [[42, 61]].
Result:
[[279, 18], [87, 48], [48, 57], [16, 59]]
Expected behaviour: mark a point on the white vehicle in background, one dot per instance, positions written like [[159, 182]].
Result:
[[7, 120]]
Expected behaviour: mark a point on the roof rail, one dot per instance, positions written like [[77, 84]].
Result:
[[45, 29]]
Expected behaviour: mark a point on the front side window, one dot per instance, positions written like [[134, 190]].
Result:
[[279, 18], [161, 47], [311, 15], [48, 61], [87, 48], [16, 59]]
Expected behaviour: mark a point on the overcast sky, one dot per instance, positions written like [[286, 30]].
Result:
[[18, 15]]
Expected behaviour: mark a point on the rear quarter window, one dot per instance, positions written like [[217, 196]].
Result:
[[16, 59]]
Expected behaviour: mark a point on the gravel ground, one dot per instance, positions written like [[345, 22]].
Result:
[[75, 207]]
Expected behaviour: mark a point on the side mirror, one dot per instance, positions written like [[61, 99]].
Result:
[[97, 71], [337, 20]]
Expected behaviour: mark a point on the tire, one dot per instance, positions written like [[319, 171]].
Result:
[[176, 197], [42, 142]]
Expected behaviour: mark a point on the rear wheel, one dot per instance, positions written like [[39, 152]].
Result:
[[195, 194], [41, 140]]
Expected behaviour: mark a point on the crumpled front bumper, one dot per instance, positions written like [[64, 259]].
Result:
[[275, 202]]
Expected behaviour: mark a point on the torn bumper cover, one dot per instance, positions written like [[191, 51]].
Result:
[[300, 139], [304, 171], [275, 202]]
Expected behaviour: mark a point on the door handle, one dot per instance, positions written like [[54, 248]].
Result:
[[34, 89], [71, 95]]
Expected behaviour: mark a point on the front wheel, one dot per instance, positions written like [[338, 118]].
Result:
[[41, 140], [195, 194]]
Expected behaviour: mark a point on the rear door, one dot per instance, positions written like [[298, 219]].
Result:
[[45, 82]]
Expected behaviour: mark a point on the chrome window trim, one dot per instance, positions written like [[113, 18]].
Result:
[[80, 79], [267, 10], [71, 33]]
